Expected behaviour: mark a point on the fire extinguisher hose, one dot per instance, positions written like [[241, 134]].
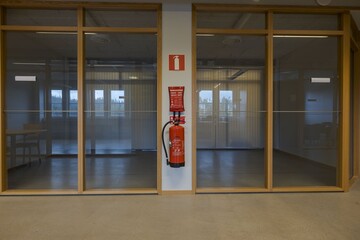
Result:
[[163, 142]]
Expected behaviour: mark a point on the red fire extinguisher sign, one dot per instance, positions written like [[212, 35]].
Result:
[[177, 62]]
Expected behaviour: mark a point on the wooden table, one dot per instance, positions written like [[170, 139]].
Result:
[[20, 132]]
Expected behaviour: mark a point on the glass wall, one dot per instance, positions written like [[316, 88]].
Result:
[[118, 98], [306, 110], [120, 18], [231, 20], [306, 21], [231, 114], [41, 75], [40, 17], [120, 110], [299, 104]]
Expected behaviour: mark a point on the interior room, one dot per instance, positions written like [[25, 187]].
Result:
[[231, 102], [270, 119], [120, 98], [83, 89]]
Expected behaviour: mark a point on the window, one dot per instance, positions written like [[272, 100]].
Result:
[[99, 103], [73, 104], [205, 104], [56, 103], [117, 105], [243, 101], [226, 104]]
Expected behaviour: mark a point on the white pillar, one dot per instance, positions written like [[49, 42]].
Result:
[[176, 32]]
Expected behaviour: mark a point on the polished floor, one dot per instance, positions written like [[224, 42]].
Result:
[[246, 168], [131, 170], [281, 216], [215, 169]]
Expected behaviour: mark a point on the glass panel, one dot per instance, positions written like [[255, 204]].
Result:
[[120, 109], [230, 125], [56, 103], [306, 111], [205, 108], [99, 103], [225, 104], [41, 137], [116, 18], [117, 107], [41, 17], [231, 20], [73, 103], [287, 21]]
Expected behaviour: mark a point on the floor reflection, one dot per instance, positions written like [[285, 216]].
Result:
[[134, 170], [246, 168]]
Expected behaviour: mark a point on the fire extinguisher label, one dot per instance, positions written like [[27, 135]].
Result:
[[178, 147]]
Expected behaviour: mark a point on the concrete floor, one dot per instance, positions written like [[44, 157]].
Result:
[[214, 216]]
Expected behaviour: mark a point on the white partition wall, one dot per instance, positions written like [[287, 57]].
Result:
[[177, 40]]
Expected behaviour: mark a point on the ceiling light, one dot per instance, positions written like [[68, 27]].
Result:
[[320, 80], [205, 35], [106, 65], [65, 33], [323, 2], [25, 78], [300, 36], [60, 33], [29, 63]]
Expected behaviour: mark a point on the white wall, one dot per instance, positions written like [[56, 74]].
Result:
[[176, 31]]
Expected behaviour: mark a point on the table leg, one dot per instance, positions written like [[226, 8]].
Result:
[[12, 150]]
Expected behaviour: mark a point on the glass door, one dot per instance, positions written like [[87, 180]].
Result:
[[215, 115]]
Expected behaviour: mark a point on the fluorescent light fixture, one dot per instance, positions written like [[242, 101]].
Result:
[[107, 65], [25, 78], [205, 35], [300, 36], [65, 33], [29, 63], [133, 77], [320, 80]]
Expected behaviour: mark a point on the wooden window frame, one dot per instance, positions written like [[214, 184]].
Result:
[[80, 29], [344, 49]]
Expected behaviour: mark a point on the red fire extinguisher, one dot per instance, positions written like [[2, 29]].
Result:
[[176, 143], [176, 132]]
